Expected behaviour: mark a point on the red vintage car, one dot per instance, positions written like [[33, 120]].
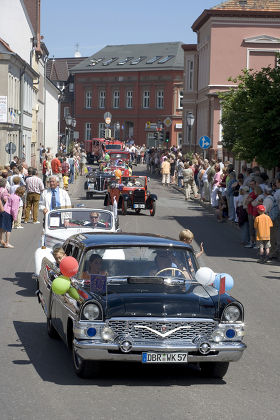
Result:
[[120, 155], [131, 192]]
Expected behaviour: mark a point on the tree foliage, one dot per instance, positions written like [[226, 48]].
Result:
[[251, 117]]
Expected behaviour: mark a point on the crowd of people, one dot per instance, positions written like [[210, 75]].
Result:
[[240, 198], [23, 193]]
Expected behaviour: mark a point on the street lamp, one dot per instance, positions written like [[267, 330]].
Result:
[[190, 122], [69, 122]]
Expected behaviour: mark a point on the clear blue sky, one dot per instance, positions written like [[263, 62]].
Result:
[[94, 23]]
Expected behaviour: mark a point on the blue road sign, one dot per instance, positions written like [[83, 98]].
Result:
[[204, 142]]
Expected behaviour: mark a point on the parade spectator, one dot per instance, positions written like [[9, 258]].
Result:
[[54, 197], [215, 185], [34, 188], [56, 165], [262, 226], [4, 193], [275, 231], [83, 162], [180, 176], [205, 194], [64, 167], [222, 210], [165, 171], [189, 183], [230, 195], [242, 215], [172, 168], [9, 215], [250, 210], [71, 162]]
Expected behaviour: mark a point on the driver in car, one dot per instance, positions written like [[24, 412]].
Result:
[[167, 266], [95, 266], [94, 220]]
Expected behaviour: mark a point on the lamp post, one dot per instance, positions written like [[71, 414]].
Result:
[[190, 122], [69, 122]]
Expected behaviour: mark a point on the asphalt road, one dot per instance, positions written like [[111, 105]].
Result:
[[36, 376]]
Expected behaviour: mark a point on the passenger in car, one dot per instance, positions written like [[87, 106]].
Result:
[[95, 266], [58, 254]]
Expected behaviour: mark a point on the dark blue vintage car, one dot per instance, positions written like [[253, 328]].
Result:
[[138, 300]]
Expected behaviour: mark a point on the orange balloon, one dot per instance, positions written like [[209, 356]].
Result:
[[118, 173]]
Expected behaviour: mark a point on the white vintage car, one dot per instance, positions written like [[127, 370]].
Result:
[[61, 224]]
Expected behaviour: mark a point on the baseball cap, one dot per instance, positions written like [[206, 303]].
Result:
[[261, 207]]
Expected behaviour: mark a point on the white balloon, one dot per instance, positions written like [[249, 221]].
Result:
[[205, 276]]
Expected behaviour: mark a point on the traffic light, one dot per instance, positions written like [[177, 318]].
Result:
[[156, 136], [102, 133], [161, 135], [167, 134]]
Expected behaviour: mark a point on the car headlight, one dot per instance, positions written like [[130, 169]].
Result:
[[91, 311], [232, 313]]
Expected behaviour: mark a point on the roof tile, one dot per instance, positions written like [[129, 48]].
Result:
[[249, 5]]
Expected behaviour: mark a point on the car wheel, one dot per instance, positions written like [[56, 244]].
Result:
[[88, 195], [83, 368], [124, 207], [51, 330], [214, 369], [137, 211], [153, 209]]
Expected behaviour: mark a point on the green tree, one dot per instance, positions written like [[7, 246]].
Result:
[[250, 117]]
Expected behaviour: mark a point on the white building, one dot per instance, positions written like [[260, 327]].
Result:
[[51, 116]]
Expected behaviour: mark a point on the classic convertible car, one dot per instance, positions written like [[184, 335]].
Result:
[[60, 224], [138, 300]]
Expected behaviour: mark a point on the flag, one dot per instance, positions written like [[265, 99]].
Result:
[[222, 288]]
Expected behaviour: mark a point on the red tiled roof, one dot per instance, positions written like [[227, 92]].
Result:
[[6, 45], [248, 5]]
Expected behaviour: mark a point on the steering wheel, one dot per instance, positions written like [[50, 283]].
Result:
[[173, 269]]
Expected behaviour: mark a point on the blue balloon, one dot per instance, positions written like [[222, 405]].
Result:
[[229, 282]]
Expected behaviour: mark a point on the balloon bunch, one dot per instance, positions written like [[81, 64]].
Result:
[[61, 285], [118, 173], [207, 277]]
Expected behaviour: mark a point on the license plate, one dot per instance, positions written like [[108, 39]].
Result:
[[164, 357], [139, 206]]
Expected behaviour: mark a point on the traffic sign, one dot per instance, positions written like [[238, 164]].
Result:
[[10, 148], [107, 120], [167, 122], [204, 142], [108, 117]]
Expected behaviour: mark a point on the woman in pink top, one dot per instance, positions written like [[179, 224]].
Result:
[[8, 215], [216, 182]]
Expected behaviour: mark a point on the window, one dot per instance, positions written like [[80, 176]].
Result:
[[181, 96], [102, 98], [153, 59], [146, 99], [71, 87], [137, 60], [129, 95], [88, 99], [101, 130], [88, 131], [160, 102], [116, 99], [165, 59], [66, 111], [190, 74]]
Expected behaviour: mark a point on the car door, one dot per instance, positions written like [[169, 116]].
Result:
[[58, 301]]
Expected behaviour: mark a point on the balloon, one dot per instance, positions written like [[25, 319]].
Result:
[[73, 293], [205, 276], [229, 282], [61, 285], [118, 173], [69, 266]]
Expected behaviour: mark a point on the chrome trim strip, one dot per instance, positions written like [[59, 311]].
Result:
[[151, 319], [163, 335]]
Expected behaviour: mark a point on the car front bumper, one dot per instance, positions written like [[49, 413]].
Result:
[[98, 350]]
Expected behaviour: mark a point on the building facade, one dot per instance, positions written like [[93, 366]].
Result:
[[139, 85], [235, 35]]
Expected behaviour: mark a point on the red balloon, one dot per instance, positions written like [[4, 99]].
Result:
[[69, 266]]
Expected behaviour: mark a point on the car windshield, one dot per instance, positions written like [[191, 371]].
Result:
[[95, 219], [113, 147], [120, 156], [138, 263], [133, 181]]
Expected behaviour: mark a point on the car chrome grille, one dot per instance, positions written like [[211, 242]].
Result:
[[162, 330], [139, 197]]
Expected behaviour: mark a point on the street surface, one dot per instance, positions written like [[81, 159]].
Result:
[[37, 379]]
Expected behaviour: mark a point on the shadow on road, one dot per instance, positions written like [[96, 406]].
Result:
[[52, 361], [23, 280]]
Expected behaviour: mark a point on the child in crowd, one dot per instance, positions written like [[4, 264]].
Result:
[[66, 181], [262, 225], [222, 210], [187, 236]]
